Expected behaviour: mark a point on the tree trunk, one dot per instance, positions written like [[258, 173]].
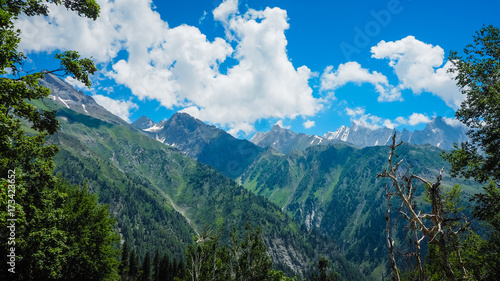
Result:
[[443, 253], [390, 243]]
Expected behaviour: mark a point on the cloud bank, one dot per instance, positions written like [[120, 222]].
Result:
[[117, 107], [419, 67], [179, 67], [352, 72]]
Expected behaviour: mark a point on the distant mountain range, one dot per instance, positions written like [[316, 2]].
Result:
[[328, 182], [440, 132], [200, 140]]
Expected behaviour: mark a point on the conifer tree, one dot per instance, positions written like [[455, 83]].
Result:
[[165, 271], [323, 273], [146, 268], [124, 262], [156, 266], [133, 267]]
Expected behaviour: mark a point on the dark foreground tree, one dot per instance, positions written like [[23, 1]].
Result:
[[243, 261], [90, 249], [478, 76], [146, 268], [323, 272], [52, 225], [124, 262]]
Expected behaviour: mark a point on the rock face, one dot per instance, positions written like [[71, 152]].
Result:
[[143, 123], [360, 135], [440, 132], [68, 97]]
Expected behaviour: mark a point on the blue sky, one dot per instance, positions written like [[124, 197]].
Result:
[[244, 66]]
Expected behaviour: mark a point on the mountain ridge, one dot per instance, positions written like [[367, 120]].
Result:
[[331, 186], [205, 143], [67, 96], [439, 132]]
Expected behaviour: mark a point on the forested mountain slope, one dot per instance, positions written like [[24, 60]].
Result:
[[323, 186], [334, 189], [161, 198]]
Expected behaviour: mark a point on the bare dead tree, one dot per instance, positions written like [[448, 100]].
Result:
[[390, 242], [425, 225]]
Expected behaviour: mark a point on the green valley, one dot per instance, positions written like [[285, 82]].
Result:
[[162, 198]]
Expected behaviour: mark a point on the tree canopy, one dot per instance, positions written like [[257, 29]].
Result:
[[478, 76], [58, 231]]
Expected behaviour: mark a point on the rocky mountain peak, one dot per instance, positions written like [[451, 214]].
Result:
[[205, 143], [143, 123]]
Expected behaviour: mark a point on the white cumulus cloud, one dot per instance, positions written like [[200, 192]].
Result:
[[389, 124], [418, 118], [280, 123], [352, 72], [361, 118], [225, 10], [353, 112], [309, 124], [264, 83], [179, 66], [119, 108], [454, 122], [412, 120], [419, 67], [75, 83]]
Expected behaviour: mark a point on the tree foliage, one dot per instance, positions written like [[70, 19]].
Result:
[[323, 273], [91, 238], [59, 231], [243, 260], [478, 76]]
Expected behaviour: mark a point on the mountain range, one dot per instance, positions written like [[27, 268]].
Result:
[[325, 183], [167, 182], [439, 132], [161, 197]]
